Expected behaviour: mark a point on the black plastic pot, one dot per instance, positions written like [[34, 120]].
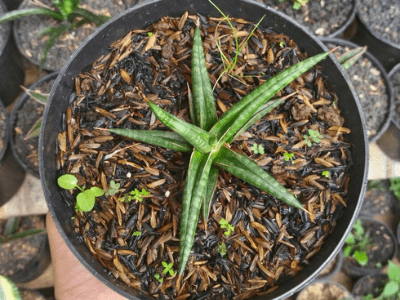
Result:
[[11, 174], [143, 15], [333, 291], [369, 284], [389, 142], [389, 87], [356, 271], [387, 52], [338, 263], [12, 4], [12, 74], [378, 200], [13, 120]]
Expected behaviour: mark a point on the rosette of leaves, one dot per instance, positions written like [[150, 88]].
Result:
[[67, 12], [208, 140]]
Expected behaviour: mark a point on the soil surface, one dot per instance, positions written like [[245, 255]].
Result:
[[16, 255], [382, 17], [378, 198], [324, 291], [371, 284], [395, 79], [3, 128], [322, 17], [29, 27], [370, 87], [27, 116]]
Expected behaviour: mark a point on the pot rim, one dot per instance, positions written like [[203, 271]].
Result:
[[385, 76], [13, 118], [101, 32], [373, 33], [7, 33], [7, 133], [393, 71]]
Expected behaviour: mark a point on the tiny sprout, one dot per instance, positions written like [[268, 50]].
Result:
[[136, 233], [222, 249], [150, 34], [281, 44], [257, 149], [135, 195], [113, 188], [168, 268], [314, 136], [325, 173], [288, 156], [225, 225], [158, 277], [86, 198]]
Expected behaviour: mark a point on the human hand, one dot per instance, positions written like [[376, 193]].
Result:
[[71, 279]]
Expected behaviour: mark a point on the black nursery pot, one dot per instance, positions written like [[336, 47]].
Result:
[[11, 174], [369, 284], [143, 15], [387, 52], [23, 160], [355, 270], [389, 88], [389, 142], [12, 74]]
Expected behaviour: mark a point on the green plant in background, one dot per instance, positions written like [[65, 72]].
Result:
[[391, 290], [8, 289], [225, 225], [395, 186], [10, 232], [376, 185], [42, 99], [357, 244], [86, 198], [297, 3], [67, 12], [347, 59], [313, 137], [257, 149]]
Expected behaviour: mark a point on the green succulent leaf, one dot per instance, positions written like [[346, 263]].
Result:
[[204, 103], [167, 139], [38, 96], [25, 233], [16, 14], [35, 130], [199, 138], [211, 185], [53, 37], [86, 200], [350, 57], [87, 15], [243, 167], [67, 181]]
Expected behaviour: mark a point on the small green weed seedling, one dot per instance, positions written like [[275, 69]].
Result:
[[225, 225], [114, 187], [257, 149], [391, 290], [86, 198], [325, 173], [289, 157], [357, 244], [221, 248], [168, 268], [297, 3], [395, 186], [68, 14], [158, 277], [135, 195], [313, 137], [136, 233]]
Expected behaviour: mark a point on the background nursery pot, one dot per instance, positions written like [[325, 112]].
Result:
[[142, 16], [24, 116], [11, 72]]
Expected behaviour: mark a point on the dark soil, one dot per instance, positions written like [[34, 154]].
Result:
[[370, 284], [382, 17], [271, 241], [382, 245], [395, 79], [3, 128], [29, 27], [378, 198], [324, 291], [322, 17], [16, 255], [370, 87], [3, 31], [27, 116]]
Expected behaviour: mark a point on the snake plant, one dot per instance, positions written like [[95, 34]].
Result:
[[208, 140]]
